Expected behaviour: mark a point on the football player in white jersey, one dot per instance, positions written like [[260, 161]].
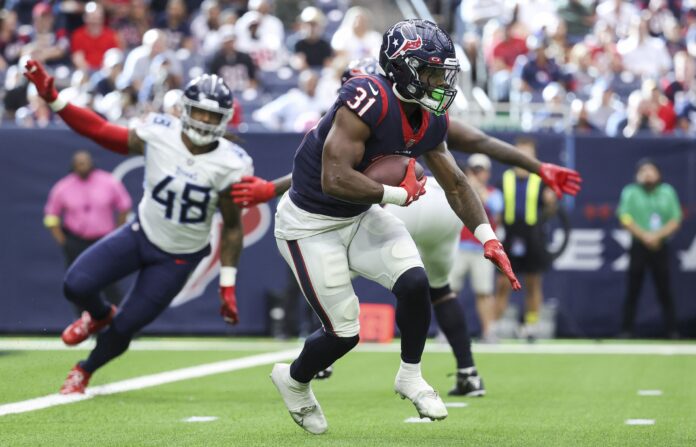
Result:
[[189, 168]]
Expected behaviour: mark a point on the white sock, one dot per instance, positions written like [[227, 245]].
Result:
[[410, 370], [297, 385]]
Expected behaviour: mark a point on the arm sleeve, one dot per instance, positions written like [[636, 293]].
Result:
[[366, 98]]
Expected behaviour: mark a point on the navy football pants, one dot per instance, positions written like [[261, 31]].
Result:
[[160, 277]]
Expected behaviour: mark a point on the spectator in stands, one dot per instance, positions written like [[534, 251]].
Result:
[[104, 81], [618, 15], [141, 60], [504, 53], [580, 118], [674, 37], [691, 31], [22, 9], [662, 107], [686, 112], [618, 79], [235, 67], [681, 78], [579, 18], [205, 28], [649, 209], [355, 38], [312, 51], [81, 208], [581, 69], [639, 118], [551, 117], [174, 22], [642, 54], [536, 70], [10, 45], [15, 87], [477, 13], [535, 15], [469, 260], [131, 19], [602, 105], [296, 111], [91, 41], [34, 114], [262, 36], [46, 44]]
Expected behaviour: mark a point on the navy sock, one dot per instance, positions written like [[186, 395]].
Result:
[[449, 315], [110, 344], [320, 351], [412, 312]]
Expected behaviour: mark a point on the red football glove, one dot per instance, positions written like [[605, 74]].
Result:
[[228, 310], [494, 252], [560, 179], [42, 80], [252, 190], [414, 187]]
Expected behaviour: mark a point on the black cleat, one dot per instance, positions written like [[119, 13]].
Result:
[[324, 373], [468, 385]]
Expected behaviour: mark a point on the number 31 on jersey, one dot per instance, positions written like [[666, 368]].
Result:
[[357, 102]]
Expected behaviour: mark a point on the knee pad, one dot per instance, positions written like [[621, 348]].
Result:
[[413, 282]]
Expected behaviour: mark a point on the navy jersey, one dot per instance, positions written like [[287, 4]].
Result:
[[371, 98]]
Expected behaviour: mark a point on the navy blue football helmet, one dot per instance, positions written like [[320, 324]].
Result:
[[360, 67], [419, 58], [207, 92]]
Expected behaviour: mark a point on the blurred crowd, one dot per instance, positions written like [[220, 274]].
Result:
[[614, 67]]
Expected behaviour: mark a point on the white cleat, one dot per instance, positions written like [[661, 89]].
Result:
[[299, 400], [424, 397]]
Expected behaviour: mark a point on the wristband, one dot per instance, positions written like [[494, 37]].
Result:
[[394, 194], [485, 233], [58, 104], [228, 276]]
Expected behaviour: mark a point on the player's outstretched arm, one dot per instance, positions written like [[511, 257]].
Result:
[[467, 205], [83, 121], [230, 249], [343, 149], [464, 138], [252, 190]]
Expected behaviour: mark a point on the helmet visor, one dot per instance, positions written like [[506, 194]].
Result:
[[439, 83]]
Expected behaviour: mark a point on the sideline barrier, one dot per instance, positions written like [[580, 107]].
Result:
[[587, 280]]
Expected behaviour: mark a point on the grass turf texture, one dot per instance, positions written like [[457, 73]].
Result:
[[539, 400]]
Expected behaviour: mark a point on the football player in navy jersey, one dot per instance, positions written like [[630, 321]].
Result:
[[435, 228], [328, 225]]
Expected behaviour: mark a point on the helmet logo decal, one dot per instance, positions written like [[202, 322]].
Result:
[[406, 45]]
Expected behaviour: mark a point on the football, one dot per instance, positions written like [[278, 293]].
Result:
[[391, 169]]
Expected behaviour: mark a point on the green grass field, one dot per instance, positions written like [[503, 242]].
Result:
[[533, 400]]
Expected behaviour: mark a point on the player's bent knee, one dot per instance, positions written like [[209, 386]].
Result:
[[413, 282], [77, 285]]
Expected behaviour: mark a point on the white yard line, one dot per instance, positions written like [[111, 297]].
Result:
[[139, 383], [16, 344]]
